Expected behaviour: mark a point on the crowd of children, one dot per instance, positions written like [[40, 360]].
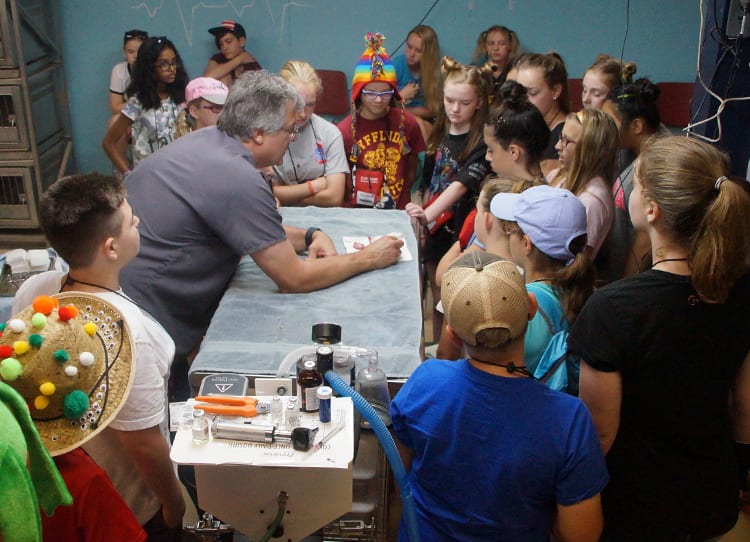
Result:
[[592, 236]]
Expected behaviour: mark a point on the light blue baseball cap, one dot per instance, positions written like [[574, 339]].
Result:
[[551, 217]]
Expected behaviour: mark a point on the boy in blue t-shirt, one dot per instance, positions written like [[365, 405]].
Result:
[[492, 453]]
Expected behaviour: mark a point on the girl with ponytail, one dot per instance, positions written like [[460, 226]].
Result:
[[546, 229], [454, 165], [665, 353]]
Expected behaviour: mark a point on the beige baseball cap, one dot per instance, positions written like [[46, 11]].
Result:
[[482, 291]]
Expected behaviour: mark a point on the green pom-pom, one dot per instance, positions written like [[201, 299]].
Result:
[[10, 369], [2, 326], [61, 356], [36, 340], [38, 320], [75, 404]]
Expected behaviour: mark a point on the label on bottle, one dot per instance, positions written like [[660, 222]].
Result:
[[310, 401]]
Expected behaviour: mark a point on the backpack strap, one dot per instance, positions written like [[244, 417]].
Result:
[[555, 366], [548, 299]]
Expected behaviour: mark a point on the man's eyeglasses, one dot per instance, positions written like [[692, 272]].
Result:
[[214, 108], [374, 95], [565, 141], [166, 66]]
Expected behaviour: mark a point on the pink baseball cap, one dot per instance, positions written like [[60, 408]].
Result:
[[208, 88]]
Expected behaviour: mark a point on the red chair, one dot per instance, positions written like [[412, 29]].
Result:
[[674, 103], [334, 101], [575, 87]]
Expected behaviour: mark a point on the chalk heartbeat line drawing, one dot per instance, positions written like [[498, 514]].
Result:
[[187, 9]]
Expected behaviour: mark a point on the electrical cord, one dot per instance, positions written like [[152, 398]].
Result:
[[283, 497], [689, 129], [627, 28], [435, 3]]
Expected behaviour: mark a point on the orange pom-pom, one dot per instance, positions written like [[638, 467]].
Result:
[[73, 311], [44, 304], [5, 351], [65, 314]]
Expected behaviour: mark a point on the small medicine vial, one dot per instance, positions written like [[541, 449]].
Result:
[[200, 427], [324, 403], [308, 382], [277, 409]]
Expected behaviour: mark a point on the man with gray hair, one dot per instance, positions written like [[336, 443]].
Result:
[[203, 204]]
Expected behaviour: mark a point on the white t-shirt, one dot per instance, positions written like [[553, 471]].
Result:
[[145, 405], [119, 79]]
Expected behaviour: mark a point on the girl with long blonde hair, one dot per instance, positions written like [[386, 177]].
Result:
[[418, 73], [588, 147]]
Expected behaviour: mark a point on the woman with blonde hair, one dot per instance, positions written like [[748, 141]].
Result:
[[314, 168], [665, 354], [418, 73], [603, 75], [588, 152]]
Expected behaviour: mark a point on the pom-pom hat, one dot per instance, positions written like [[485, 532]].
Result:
[[228, 25], [374, 66], [482, 291], [551, 217], [77, 370], [208, 88]]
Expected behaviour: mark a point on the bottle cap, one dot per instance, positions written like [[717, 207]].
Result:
[[326, 333], [324, 351], [310, 365], [324, 392], [197, 413]]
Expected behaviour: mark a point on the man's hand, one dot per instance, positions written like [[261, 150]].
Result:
[[385, 251], [321, 246]]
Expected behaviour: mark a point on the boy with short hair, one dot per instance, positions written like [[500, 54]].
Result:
[[232, 60], [89, 222], [494, 454]]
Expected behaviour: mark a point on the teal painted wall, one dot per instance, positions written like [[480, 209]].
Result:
[[662, 38]]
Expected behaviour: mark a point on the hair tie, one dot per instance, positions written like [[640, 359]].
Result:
[[717, 184]]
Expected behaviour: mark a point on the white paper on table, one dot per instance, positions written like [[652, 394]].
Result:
[[355, 244]]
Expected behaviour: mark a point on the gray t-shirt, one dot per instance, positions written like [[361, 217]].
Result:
[[202, 205], [318, 151]]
